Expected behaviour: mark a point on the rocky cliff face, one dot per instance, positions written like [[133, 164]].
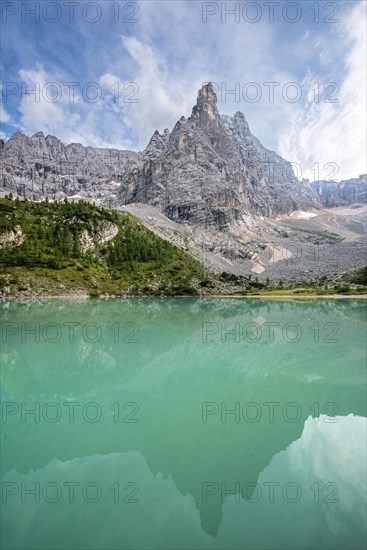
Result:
[[343, 193], [37, 167], [212, 171]]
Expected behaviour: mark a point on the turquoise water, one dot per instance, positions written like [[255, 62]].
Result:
[[182, 423]]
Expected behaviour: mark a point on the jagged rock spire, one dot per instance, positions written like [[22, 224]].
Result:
[[205, 112], [158, 142]]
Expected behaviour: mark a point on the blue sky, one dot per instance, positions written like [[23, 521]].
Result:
[[110, 73]]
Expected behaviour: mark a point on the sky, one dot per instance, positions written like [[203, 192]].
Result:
[[109, 73]]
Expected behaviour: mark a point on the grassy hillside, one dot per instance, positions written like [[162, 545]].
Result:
[[77, 248], [53, 248]]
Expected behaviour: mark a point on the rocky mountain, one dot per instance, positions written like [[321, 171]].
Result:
[[343, 193], [211, 188], [211, 171], [37, 167]]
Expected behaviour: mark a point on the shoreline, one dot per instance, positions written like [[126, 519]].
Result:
[[298, 297], [83, 297]]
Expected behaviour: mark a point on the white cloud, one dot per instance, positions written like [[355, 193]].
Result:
[[70, 118], [39, 110], [4, 116], [335, 132], [162, 97]]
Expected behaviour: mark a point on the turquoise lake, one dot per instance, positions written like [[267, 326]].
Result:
[[183, 423]]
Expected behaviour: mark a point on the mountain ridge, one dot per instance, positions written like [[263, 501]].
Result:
[[210, 170]]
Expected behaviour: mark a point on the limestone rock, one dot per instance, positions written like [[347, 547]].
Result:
[[37, 167], [212, 171], [343, 193]]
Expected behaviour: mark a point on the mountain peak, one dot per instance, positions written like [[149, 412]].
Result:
[[207, 91], [205, 112], [38, 135]]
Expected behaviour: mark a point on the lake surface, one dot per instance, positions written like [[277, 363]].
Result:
[[183, 423]]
